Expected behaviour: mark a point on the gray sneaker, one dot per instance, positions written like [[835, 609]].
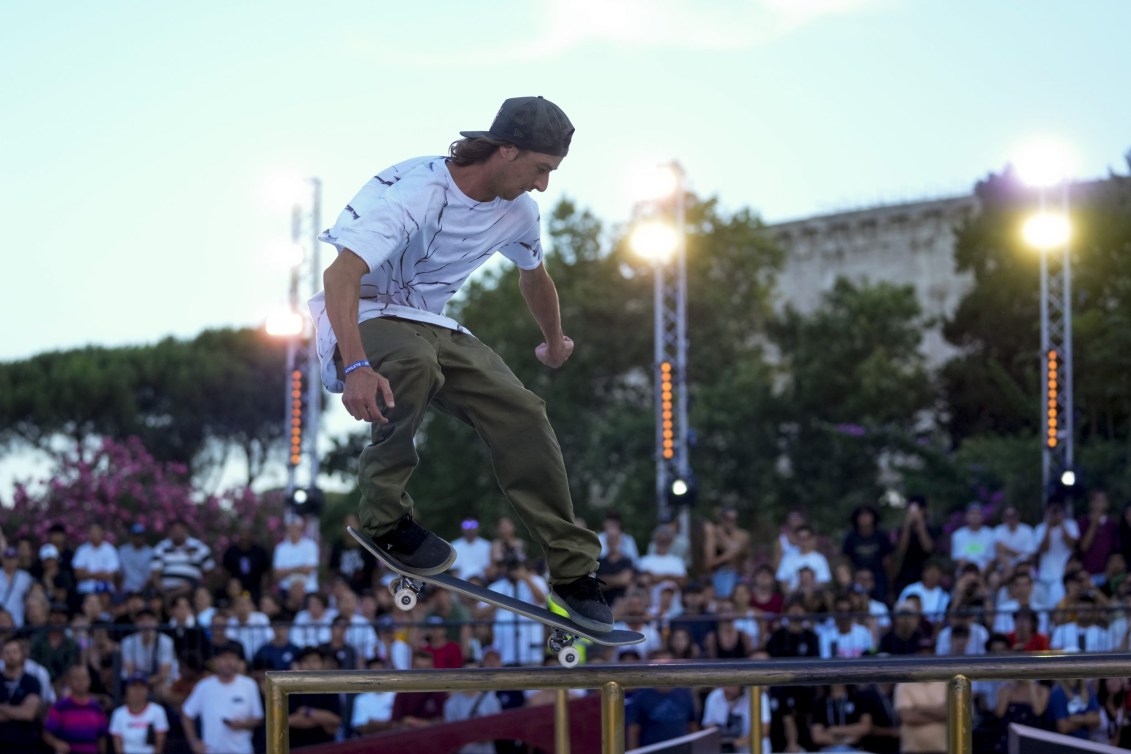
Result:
[[583, 601], [416, 548]]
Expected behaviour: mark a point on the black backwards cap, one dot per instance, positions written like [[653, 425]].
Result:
[[532, 123]]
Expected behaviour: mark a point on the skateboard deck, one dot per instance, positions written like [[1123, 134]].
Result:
[[565, 630]]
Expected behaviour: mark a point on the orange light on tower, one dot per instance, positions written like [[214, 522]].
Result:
[[1053, 419], [667, 427], [296, 418]]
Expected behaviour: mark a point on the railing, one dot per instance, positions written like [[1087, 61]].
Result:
[[612, 680]]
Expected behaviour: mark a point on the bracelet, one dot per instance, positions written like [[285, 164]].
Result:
[[355, 366]]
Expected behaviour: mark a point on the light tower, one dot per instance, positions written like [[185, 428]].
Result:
[[1044, 166], [660, 237]]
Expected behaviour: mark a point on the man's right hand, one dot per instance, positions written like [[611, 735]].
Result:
[[360, 398]]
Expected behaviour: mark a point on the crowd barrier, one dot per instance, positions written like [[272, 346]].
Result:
[[612, 680]]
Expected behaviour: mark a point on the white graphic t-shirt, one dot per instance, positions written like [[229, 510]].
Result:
[[421, 238], [134, 729]]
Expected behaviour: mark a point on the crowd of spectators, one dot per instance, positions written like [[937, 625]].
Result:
[[154, 644]]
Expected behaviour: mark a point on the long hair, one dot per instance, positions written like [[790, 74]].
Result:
[[472, 150]]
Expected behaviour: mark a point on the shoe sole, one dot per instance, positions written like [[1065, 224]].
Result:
[[586, 623]]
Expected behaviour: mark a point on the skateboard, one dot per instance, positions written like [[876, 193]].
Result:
[[565, 632]]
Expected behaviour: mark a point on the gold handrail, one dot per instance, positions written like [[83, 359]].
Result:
[[612, 680]]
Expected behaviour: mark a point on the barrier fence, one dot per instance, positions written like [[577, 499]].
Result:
[[612, 680]]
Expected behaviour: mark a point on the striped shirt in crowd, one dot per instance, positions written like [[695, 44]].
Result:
[[183, 564]]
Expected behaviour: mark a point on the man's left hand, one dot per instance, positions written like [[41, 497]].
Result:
[[557, 356]]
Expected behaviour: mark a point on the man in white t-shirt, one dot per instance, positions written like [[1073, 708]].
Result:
[[227, 705], [973, 543], [1013, 539], [844, 637], [473, 553], [932, 597], [728, 709], [1056, 539], [406, 244], [663, 564], [139, 726], [96, 562], [373, 710], [806, 556], [296, 557]]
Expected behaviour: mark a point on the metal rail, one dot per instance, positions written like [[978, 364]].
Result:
[[612, 680]]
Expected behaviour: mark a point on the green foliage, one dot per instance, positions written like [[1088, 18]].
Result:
[[190, 402], [854, 387]]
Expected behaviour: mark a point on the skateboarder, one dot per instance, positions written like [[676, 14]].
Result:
[[406, 243]]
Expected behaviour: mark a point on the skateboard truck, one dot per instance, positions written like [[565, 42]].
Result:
[[561, 645], [405, 592]]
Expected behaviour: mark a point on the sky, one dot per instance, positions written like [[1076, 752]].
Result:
[[143, 145]]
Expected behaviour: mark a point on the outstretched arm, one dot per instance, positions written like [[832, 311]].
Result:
[[541, 296]]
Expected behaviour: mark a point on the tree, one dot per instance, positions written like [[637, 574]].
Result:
[[189, 402], [855, 387]]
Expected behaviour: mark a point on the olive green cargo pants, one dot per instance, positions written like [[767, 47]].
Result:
[[453, 371]]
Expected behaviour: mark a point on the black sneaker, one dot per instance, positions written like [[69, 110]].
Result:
[[416, 548], [583, 601]]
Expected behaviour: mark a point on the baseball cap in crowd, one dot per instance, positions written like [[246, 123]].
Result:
[[491, 651], [385, 623], [48, 551], [906, 607], [141, 678], [229, 647], [10, 552], [532, 123], [469, 523], [137, 529], [666, 585], [435, 620]]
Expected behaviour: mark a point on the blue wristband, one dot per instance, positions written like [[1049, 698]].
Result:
[[355, 366]]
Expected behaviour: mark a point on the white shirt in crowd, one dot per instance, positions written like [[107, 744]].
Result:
[[1019, 540], [975, 645], [133, 729], [793, 562], [733, 718], [519, 639], [13, 592], [660, 567], [628, 546], [1052, 562], [971, 546], [856, 642], [1071, 637], [1003, 617], [307, 631], [472, 558], [139, 657], [96, 559], [372, 707], [934, 601], [212, 701], [361, 636], [290, 554], [251, 635]]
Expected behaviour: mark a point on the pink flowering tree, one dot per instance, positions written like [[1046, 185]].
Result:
[[120, 484]]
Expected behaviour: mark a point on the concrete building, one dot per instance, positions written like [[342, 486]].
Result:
[[909, 243]]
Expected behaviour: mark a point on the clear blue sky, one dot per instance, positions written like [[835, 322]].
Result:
[[136, 137]]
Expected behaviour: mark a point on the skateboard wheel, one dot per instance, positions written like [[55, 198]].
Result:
[[568, 657], [405, 599]]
